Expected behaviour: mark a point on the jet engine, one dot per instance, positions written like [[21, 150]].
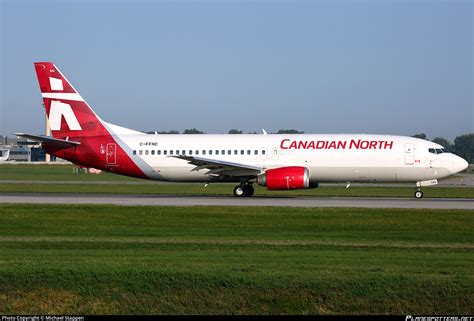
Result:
[[285, 178]]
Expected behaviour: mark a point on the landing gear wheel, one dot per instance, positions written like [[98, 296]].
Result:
[[239, 191], [248, 190], [245, 190], [418, 194]]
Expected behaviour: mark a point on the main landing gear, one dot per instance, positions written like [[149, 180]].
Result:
[[243, 190]]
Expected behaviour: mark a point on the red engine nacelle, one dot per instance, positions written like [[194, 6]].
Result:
[[284, 178]]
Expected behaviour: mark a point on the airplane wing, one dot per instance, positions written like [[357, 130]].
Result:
[[221, 168], [62, 143]]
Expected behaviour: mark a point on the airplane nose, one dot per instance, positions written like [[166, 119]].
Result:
[[459, 164]]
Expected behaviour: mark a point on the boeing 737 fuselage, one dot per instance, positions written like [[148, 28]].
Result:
[[279, 162]]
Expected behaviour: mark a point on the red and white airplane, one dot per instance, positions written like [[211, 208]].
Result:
[[279, 162]]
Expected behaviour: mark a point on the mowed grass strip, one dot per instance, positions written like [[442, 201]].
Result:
[[226, 190], [109, 259], [237, 223]]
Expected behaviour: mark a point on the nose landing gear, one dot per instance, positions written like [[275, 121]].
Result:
[[418, 194], [420, 184], [243, 190]]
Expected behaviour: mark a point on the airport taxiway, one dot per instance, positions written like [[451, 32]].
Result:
[[179, 200]]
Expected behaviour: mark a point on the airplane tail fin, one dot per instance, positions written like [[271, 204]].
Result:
[[79, 135], [6, 155], [68, 113]]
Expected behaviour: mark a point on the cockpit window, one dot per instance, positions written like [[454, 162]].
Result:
[[437, 151]]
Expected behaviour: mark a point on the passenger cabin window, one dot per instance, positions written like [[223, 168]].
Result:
[[223, 152], [241, 152], [171, 152], [248, 151], [255, 152], [229, 152], [203, 152], [158, 152], [190, 152], [210, 152], [140, 152], [183, 152], [177, 152], [236, 152], [134, 152], [263, 152], [165, 152], [197, 152], [153, 152], [217, 152]]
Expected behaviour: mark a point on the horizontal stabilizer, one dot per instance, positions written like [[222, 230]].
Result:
[[62, 143]]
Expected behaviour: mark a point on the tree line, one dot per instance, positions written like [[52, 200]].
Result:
[[463, 145]]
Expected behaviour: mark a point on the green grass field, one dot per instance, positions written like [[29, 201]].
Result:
[[133, 260], [40, 179], [55, 173]]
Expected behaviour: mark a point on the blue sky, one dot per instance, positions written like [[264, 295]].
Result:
[[388, 67]]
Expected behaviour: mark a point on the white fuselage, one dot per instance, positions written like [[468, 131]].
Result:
[[329, 158]]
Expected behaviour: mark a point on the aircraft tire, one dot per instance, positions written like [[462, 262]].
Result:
[[239, 191], [248, 190], [418, 194]]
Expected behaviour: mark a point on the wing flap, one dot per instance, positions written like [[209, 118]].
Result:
[[220, 167]]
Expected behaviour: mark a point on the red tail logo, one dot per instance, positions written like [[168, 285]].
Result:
[[71, 118], [69, 115], [56, 112]]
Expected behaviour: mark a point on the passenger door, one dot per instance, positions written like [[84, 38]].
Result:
[[409, 154], [275, 154]]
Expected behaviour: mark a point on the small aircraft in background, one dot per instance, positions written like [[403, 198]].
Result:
[[5, 155]]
